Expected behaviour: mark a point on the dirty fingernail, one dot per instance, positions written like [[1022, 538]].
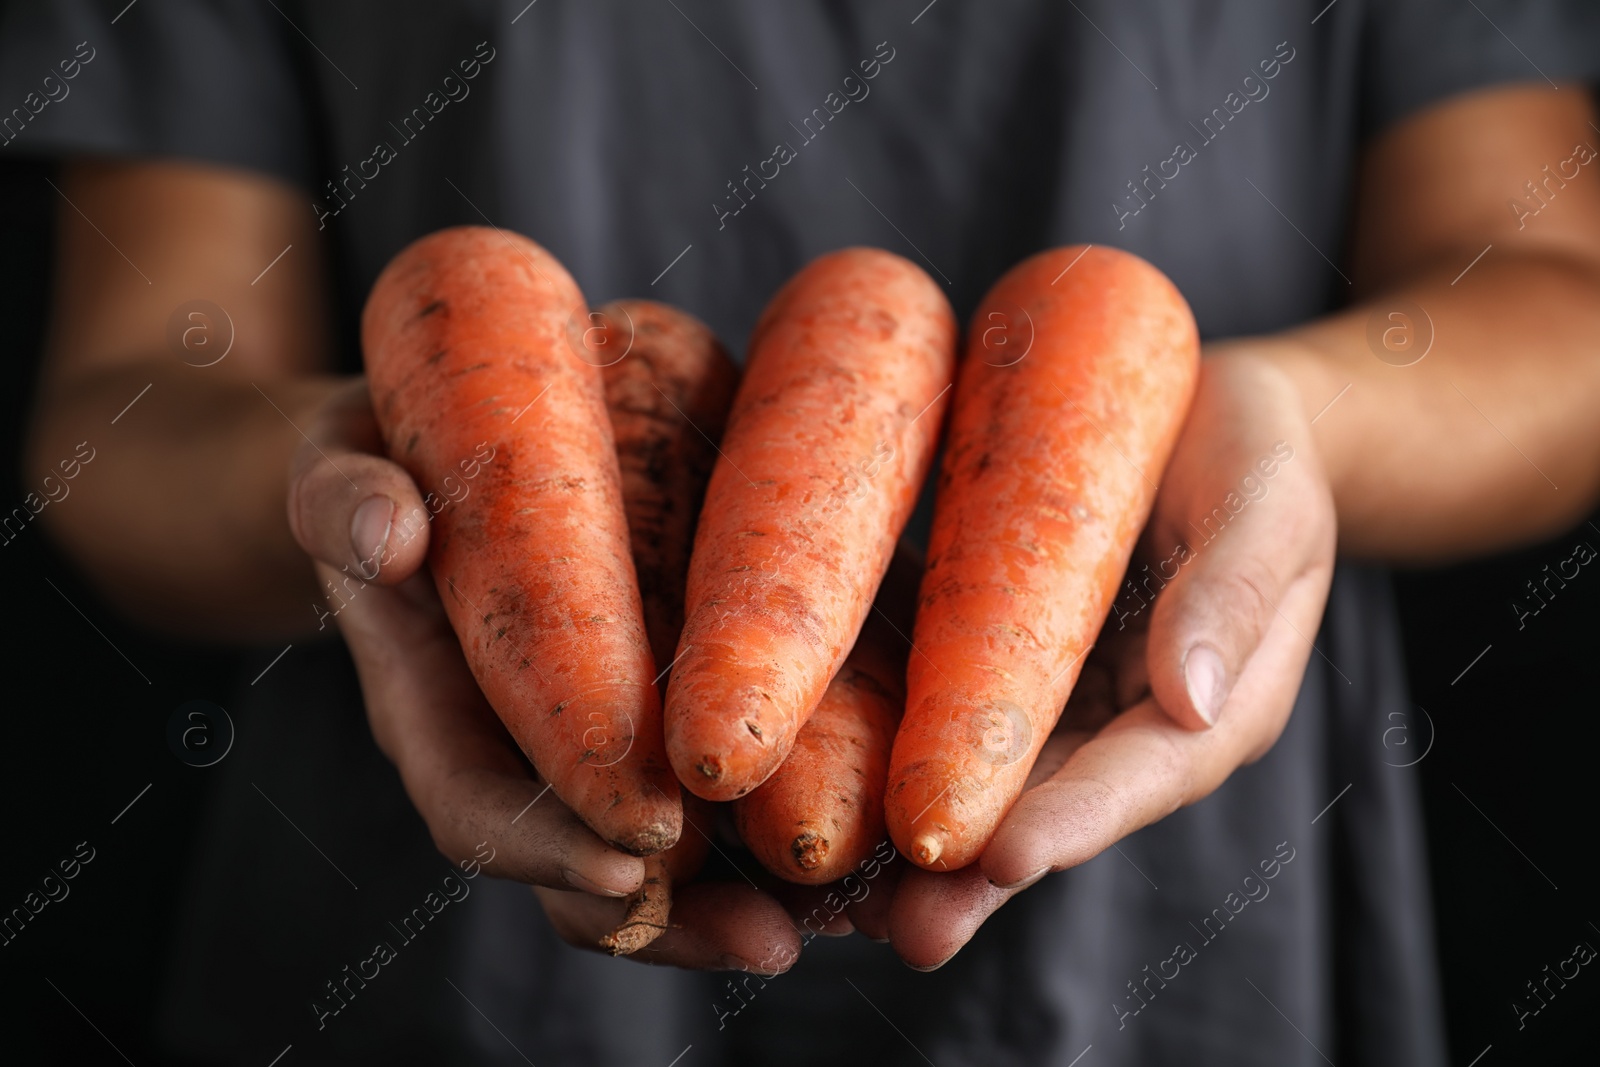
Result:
[[933, 967], [1024, 883], [369, 532], [578, 881]]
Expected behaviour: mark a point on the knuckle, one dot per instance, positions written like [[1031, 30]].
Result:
[[1173, 778], [300, 507], [1305, 514], [1246, 592], [1101, 801]]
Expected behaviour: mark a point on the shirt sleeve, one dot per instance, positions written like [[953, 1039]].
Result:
[[1417, 52], [210, 80]]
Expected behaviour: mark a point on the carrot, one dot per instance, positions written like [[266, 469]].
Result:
[[821, 812], [668, 387], [1048, 478], [647, 911], [832, 432], [466, 337]]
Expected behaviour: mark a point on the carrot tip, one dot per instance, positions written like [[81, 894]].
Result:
[[657, 837], [925, 849], [809, 850]]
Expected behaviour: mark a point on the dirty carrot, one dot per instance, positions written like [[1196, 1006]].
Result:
[[668, 387], [1074, 383], [646, 913], [832, 432], [821, 812], [469, 343]]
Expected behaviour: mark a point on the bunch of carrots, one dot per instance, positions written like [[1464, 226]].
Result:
[[681, 580]]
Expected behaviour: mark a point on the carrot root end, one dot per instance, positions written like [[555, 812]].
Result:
[[810, 850], [644, 918]]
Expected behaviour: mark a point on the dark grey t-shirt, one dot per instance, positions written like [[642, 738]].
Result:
[[700, 151]]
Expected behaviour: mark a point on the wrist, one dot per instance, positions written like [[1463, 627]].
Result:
[[1311, 384]]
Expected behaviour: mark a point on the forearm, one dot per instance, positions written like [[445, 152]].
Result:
[[180, 518], [1490, 439]]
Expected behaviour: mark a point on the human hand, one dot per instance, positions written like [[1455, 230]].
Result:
[[1194, 673], [365, 524]]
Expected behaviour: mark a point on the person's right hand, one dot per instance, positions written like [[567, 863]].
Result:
[[365, 524]]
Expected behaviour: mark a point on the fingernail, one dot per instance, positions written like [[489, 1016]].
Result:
[[578, 881], [935, 967], [1024, 883], [1207, 681], [731, 962], [369, 532]]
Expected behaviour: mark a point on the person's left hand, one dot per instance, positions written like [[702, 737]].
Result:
[[466, 777], [1180, 693]]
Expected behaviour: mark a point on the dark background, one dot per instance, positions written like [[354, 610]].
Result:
[[85, 732]]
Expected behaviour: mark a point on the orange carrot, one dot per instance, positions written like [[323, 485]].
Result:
[[821, 812], [832, 432], [467, 343], [1048, 478], [668, 388], [646, 913]]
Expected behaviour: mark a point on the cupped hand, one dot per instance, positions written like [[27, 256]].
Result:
[[1196, 669], [365, 524]]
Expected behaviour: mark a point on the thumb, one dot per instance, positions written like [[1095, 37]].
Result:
[[1233, 571], [351, 507]]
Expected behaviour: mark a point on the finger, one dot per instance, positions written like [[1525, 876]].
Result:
[[913, 907], [350, 507], [935, 913], [815, 909], [869, 914], [1069, 735], [1093, 697], [1211, 618], [1142, 766], [712, 926], [459, 766], [1132, 671]]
